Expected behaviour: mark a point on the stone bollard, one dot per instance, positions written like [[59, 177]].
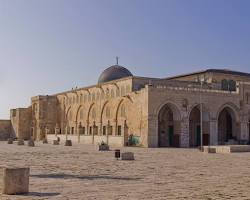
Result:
[[103, 147], [55, 142], [45, 141], [20, 142], [31, 143], [15, 181], [68, 143], [10, 141], [128, 156]]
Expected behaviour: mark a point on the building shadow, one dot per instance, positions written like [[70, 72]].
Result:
[[86, 177], [42, 194]]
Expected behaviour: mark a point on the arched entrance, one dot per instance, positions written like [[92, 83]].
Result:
[[227, 126], [194, 128], [168, 125]]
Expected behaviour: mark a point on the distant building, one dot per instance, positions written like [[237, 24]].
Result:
[[151, 112]]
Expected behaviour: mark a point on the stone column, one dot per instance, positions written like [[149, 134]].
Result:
[[80, 129], [213, 132], [75, 129], [99, 124], [152, 136], [244, 131], [184, 141]]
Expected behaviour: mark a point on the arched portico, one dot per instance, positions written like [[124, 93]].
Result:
[[227, 126], [168, 126], [195, 126]]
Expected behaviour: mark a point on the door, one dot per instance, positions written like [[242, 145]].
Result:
[[198, 135], [171, 136]]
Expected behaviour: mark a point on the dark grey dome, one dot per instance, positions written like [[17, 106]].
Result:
[[114, 72]]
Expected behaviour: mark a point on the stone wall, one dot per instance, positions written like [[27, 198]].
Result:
[[21, 122], [5, 129]]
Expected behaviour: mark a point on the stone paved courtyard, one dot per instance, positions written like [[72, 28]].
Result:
[[81, 172]]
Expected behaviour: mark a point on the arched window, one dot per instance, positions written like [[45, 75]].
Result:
[[85, 98], [74, 100], [89, 97], [224, 84], [232, 85]]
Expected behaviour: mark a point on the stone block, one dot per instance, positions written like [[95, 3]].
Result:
[[10, 141], [31, 143], [45, 141], [128, 156], [68, 143], [20, 142], [15, 180], [103, 147], [55, 142]]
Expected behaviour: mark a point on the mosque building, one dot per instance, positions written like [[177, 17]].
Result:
[[123, 109]]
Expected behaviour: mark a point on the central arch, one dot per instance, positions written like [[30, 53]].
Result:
[[195, 126], [168, 126], [227, 126]]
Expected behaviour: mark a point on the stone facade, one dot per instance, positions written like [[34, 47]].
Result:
[[150, 112], [5, 129]]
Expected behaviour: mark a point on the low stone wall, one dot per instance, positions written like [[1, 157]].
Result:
[[5, 129], [89, 139]]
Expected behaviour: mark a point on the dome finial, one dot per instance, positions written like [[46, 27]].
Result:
[[117, 60]]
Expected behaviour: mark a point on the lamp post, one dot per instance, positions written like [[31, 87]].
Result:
[[202, 80]]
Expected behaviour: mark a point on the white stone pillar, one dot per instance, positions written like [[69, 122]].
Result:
[[213, 132]]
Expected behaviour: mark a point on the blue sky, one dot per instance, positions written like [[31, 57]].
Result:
[[48, 46]]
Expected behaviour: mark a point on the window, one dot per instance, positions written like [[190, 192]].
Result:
[[104, 130], [119, 131], [232, 85], [228, 85], [95, 130], [90, 130], [89, 97], [81, 98], [110, 130], [72, 130], [83, 130], [85, 98]]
